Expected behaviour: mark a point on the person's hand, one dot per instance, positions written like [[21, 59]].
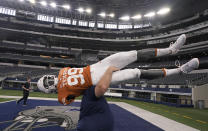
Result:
[[113, 68]]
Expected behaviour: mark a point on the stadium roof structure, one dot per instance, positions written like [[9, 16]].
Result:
[[114, 11]]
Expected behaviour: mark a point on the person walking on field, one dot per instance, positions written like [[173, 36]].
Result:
[[26, 89]]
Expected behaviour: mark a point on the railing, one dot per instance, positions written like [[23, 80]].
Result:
[[178, 103]]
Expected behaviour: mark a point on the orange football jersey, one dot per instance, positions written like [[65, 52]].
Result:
[[73, 81]]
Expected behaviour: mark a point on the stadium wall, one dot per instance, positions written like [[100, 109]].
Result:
[[200, 96]]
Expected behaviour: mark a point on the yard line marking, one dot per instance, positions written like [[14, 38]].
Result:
[[201, 121], [176, 114], [187, 117]]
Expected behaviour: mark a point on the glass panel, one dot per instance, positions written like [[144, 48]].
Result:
[[91, 24]]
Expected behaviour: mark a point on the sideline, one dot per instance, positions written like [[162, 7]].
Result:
[[157, 120], [6, 101]]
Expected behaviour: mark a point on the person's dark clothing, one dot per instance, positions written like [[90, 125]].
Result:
[[95, 114], [25, 93]]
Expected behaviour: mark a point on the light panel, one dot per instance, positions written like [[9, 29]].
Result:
[[21, 0], [136, 17], [150, 14], [63, 21], [7, 11], [125, 18], [88, 10], [100, 25], [102, 14], [136, 26], [125, 26], [32, 1], [66, 6], [111, 26], [43, 3], [81, 10], [111, 15], [91, 23], [74, 22], [82, 23], [163, 11], [45, 18], [53, 4]]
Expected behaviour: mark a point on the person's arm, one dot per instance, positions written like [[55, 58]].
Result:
[[23, 86], [104, 82]]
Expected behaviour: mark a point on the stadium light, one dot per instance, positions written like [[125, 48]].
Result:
[[43, 3], [163, 11], [81, 10], [125, 18], [102, 14], [136, 17], [21, 0], [66, 7], [32, 1], [150, 14], [88, 10], [111, 15], [53, 4]]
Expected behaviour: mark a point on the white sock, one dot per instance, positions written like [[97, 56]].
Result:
[[163, 52], [170, 72]]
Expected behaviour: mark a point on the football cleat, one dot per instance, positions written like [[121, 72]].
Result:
[[175, 47], [189, 66]]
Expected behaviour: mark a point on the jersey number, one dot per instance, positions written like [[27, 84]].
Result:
[[74, 75]]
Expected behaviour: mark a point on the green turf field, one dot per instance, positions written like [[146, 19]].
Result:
[[32, 94], [189, 116], [193, 117]]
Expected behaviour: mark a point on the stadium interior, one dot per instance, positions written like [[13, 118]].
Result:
[[38, 37]]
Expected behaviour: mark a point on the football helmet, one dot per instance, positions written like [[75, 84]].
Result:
[[47, 83]]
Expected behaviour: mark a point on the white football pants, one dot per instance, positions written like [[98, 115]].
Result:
[[119, 60]]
